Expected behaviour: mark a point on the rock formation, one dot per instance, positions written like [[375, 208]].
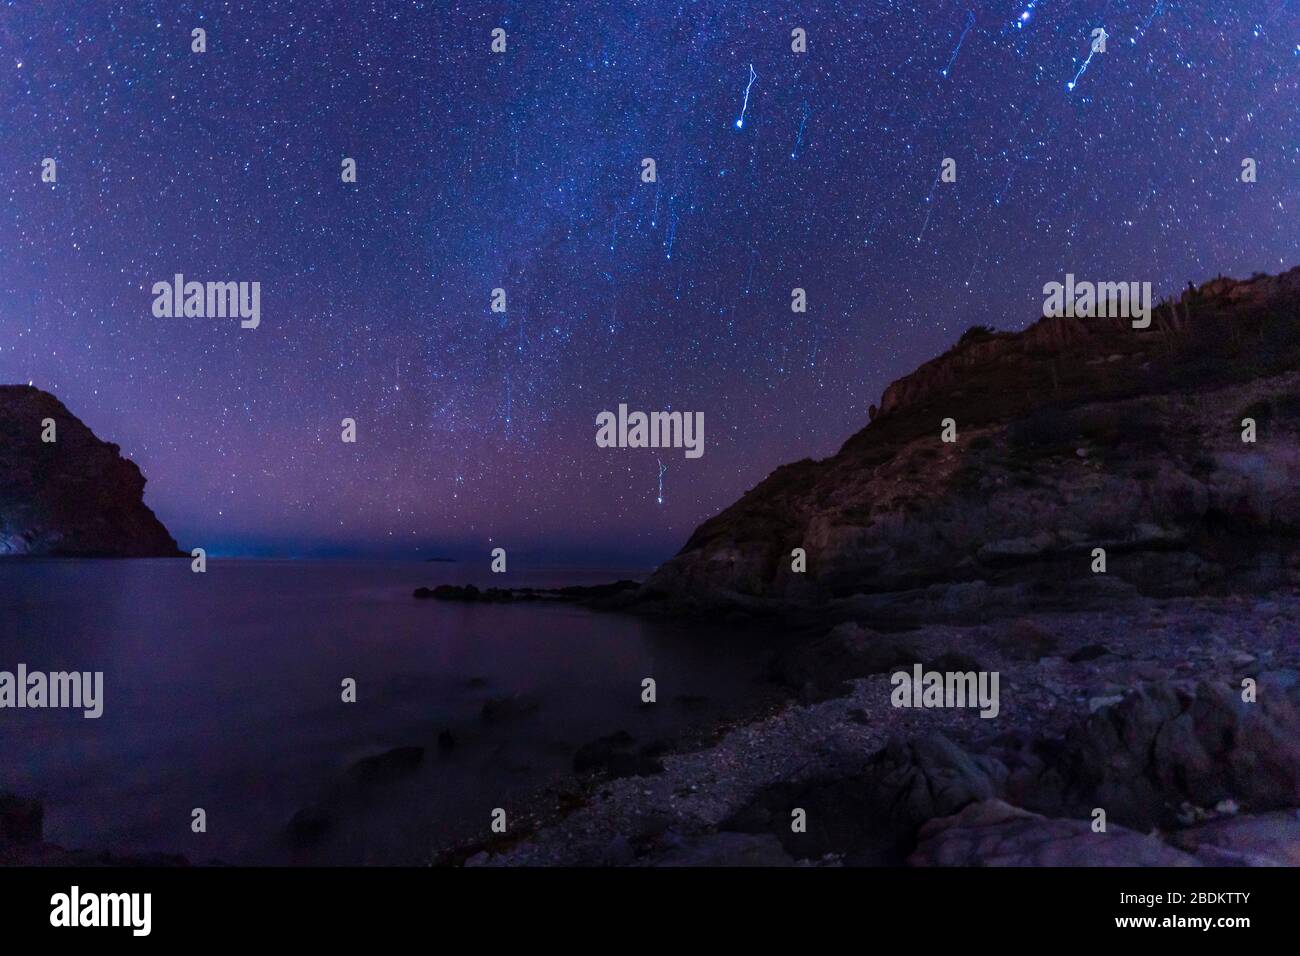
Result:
[[74, 496], [994, 833], [1072, 435]]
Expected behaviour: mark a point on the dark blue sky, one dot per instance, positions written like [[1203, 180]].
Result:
[[522, 171]]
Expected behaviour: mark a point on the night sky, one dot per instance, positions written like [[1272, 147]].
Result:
[[522, 171]]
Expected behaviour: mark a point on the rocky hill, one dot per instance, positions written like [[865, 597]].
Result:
[[1072, 435], [1163, 693], [74, 496]]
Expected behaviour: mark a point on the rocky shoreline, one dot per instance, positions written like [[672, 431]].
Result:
[[1135, 710], [608, 596], [1105, 518]]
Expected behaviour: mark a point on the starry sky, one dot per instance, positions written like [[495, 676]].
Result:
[[522, 171]]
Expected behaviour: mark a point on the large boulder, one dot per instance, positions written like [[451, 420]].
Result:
[[869, 815], [917, 780], [994, 833], [1168, 749]]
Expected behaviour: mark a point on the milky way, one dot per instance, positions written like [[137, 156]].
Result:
[[522, 171]]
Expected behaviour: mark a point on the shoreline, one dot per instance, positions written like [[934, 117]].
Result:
[[821, 714], [709, 803]]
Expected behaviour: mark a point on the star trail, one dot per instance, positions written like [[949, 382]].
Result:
[[1083, 67], [970, 22], [740, 121]]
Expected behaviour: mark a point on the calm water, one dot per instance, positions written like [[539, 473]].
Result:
[[222, 691]]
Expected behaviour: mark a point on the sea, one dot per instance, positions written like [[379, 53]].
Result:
[[224, 692]]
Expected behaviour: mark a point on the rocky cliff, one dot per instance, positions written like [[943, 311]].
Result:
[[74, 496], [1073, 435]]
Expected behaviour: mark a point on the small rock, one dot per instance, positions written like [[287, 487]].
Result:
[[1097, 703], [387, 766], [506, 708]]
